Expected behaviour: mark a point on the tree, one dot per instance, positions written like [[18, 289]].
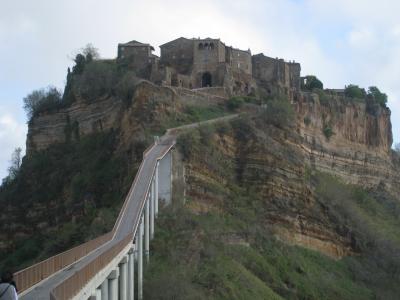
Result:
[[377, 95], [312, 82], [354, 91], [90, 52], [15, 163], [42, 100], [279, 112]]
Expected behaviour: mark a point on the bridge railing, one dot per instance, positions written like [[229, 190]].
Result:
[[68, 289], [28, 277], [32, 275], [71, 286]]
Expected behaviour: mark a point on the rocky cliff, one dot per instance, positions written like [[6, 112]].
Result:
[[275, 163], [350, 140]]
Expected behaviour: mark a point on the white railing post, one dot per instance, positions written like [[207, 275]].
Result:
[[156, 190], [146, 230], [140, 260], [131, 274], [123, 278], [151, 199], [113, 285]]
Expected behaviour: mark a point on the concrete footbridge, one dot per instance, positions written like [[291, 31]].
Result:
[[110, 267]]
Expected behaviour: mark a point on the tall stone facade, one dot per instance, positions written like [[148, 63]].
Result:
[[205, 63]]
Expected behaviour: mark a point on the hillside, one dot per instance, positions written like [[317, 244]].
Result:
[[295, 199]]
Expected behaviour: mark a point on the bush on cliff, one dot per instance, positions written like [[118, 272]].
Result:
[[43, 100], [379, 97], [311, 82], [279, 112], [354, 91]]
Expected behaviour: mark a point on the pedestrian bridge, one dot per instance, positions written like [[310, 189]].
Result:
[[110, 267]]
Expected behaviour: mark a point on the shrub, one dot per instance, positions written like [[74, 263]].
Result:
[[323, 97], [188, 142], [125, 88], [97, 79], [43, 100], [377, 95], [311, 82], [234, 103], [327, 130], [279, 113], [354, 91]]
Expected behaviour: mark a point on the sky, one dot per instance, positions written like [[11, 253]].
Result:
[[342, 42]]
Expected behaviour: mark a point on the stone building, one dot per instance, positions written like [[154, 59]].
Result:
[[206, 63]]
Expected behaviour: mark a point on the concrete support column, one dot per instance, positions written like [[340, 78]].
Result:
[[140, 259], [113, 285], [123, 278], [131, 274], [147, 231], [156, 190], [152, 209], [98, 294], [104, 290]]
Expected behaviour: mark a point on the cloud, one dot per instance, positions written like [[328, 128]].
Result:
[[340, 41]]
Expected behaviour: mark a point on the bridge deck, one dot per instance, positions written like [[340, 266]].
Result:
[[128, 220]]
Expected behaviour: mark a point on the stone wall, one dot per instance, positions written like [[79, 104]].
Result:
[[178, 54]]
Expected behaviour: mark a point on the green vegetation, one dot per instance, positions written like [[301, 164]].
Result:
[[229, 252], [328, 132], [279, 112], [43, 100], [323, 97], [311, 82], [76, 190], [354, 91], [235, 103], [374, 95]]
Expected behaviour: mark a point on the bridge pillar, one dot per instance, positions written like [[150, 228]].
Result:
[[113, 285], [104, 290], [152, 202], [156, 189], [146, 230], [123, 278], [131, 274], [98, 294], [140, 259]]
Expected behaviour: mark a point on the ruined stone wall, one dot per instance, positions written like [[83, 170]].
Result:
[[137, 57], [179, 55], [241, 61], [276, 72]]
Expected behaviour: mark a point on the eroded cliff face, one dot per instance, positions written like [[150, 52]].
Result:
[[275, 163], [104, 114], [359, 149], [271, 161]]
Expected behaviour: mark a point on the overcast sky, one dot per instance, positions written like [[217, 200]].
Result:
[[340, 41]]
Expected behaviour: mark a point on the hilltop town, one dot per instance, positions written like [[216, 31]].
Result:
[[208, 63]]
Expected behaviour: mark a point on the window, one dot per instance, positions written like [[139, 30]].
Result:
[[122, 48], [211, 46], [238, 65]]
